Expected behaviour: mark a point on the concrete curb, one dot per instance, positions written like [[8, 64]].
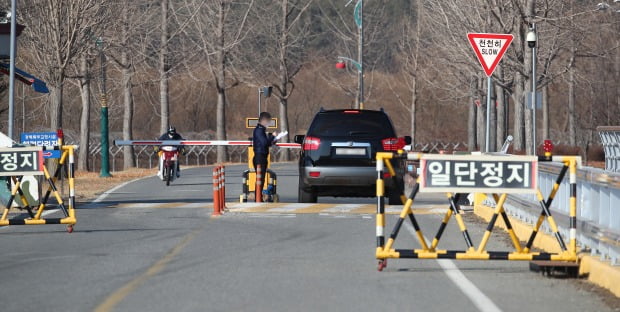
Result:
[[599, 272]]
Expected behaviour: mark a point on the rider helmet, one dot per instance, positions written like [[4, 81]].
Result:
[[172, 131]]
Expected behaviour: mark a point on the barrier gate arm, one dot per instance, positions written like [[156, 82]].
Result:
[[68, 153], [385, 250], [196, 142]]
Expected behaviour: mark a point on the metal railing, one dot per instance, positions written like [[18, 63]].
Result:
[[598, 199], [610, 138]]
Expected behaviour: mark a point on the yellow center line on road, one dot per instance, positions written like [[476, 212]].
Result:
[[120, 294]]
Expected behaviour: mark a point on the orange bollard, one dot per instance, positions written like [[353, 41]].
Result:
[[216, 194], [259, 184]]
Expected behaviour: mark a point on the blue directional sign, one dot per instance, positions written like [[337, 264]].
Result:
[[42, 139]]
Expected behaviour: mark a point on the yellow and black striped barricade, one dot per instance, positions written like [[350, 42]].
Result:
[[456, 174], [18, 162]]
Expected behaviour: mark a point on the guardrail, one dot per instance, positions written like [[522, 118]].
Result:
[[598, 198], [610, 138]]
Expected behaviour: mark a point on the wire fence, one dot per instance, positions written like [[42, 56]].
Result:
[[146, 156]]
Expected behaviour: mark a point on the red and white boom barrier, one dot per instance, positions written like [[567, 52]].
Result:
[[196, 143]]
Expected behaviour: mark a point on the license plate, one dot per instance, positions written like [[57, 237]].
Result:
[[351, 151]]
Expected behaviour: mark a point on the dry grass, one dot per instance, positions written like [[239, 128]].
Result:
[[89, 185], [596, 164]]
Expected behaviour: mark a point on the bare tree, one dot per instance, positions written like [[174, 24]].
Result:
[[339, 20], [217, 27], [471, 116], [409, 55], [283, 32], [85, 115], [164, 68], [127, 73], [56, 32]]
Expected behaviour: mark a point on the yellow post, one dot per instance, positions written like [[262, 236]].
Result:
[[487, 234], [573, 207]]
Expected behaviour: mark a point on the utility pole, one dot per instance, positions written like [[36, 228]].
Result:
[[531, 42], [360, 51], [12, 67], [358, 14]]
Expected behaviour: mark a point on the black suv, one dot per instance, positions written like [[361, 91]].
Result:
[[338, 155]]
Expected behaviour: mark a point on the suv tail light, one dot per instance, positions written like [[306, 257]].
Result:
[[393, 144], [311, 143]]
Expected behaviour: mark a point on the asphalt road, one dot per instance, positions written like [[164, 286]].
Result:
[[147, 247]]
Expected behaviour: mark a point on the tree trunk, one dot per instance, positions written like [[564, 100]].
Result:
[[545, 112], [221, 124], [572, 128], [221, 85], [163, 69], [471, 121], [414, 76], [284, 78], [501, 110], [56, 95], [517, 99], [128, 153], [617, 71], [413, 110], [284, 154], [83, 151]]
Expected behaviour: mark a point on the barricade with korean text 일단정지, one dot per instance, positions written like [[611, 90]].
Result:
[[17, 162], [458, 174]]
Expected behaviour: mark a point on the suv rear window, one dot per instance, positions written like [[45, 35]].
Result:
[[360, 123]]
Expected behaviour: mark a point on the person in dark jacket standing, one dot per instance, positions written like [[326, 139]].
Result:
[[261, 141]]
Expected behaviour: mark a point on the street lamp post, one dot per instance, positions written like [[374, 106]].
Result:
[[359, 19], [105, 145], [531, 42]]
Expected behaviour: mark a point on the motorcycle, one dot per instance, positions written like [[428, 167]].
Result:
[[168, 163]]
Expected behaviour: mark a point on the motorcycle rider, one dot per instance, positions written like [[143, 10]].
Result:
[[261, 141], [172, 134]]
